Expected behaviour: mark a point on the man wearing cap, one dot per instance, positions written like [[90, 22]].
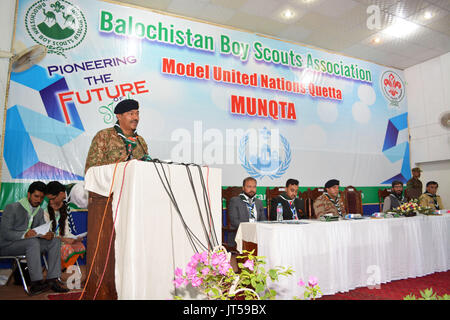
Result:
[[430, 198], [121, 142], [330, 201], [414, 186]]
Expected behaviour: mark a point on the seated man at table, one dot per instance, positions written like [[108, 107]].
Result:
[[244, 208], [396, 198], [330, 201], [430, 198], [293, 207]]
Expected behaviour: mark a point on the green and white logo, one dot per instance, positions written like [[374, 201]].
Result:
[[58, 25]]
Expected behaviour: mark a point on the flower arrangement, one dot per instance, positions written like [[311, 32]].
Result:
[[411, 208], [312, 289], [212, 274]]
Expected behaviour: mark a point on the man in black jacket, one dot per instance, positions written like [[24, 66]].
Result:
[[245, 208], [293, 207]]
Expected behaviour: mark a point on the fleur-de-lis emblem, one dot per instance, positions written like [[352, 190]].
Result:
[[393, 85], [57, 6]]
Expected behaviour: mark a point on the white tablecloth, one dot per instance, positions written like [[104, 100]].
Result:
[[150, 239], [344, 255]]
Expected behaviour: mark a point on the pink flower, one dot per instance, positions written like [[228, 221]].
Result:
[[205, 271], [196, 257], [196, 281], [204, 257], [178, 272], [191, 271], [249, 264], [300, 283], [214, 259], [312, 281], [224, 267], [178, 282]]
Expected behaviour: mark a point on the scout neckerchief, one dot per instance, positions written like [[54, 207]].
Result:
[[433, 196], [130, 143], [291, 206], [400, 198], [31, 213], [57, 217], [336, 203], [250, 202]]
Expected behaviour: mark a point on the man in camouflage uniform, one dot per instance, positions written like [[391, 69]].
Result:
[[414, 186], [121, 142], [330, 201]]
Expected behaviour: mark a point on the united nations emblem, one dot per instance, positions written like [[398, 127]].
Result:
[[265, 160], [393, 87], [58, 25]]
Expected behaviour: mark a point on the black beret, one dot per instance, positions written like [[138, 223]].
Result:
[[331, 183], [126, 105]]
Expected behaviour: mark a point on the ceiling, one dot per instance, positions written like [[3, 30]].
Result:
[[341, 26]]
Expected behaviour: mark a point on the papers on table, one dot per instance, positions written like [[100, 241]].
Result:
[[42, 229], [78, 236]]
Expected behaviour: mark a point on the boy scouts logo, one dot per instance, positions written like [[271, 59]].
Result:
[[266, 160], [393, 87], [58, 25]]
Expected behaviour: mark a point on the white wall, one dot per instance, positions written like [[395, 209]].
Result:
[[428, 94], [7, 12]]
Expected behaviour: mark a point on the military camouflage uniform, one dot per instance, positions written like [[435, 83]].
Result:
[[323, 205], [107, 147], [414, 188], [426, 200]]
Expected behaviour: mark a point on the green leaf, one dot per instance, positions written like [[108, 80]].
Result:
[[273, 274], [259, 287], [428, 294], [253, 282]]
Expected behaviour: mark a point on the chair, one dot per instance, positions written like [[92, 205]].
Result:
[[304, 196], [311, 196], [352, 200], [227, 194], [271, 194], [383, 193], [16, 265]]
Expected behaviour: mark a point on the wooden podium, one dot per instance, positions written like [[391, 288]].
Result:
[[149, 238], [107, 289]]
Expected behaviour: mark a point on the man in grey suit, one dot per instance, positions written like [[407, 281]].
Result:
[[17, 237], [245, 208]]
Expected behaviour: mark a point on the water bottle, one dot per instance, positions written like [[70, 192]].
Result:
[[279, 212]]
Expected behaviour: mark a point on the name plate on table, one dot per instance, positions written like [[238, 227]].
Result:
[[353, 216], [329, 217], [285, 222]]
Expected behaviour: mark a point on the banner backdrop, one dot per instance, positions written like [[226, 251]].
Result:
[[249, 104]]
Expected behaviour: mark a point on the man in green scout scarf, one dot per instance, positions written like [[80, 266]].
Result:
[[430, 198], [121, 142], [17, 237]]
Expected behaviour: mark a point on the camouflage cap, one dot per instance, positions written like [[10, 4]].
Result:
[[416, 169]]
